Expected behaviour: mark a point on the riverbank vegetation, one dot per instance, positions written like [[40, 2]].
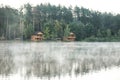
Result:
[[57, 22]]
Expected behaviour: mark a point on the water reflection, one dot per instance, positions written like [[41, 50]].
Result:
[[6, 61], [51, 59]]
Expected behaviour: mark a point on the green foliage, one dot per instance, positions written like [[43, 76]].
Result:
[[89, 29], [66, 31], [108, 33], [46, 33], [58, 22], [119, 33], [9, 21], [99, 34], [28, 31], [79, 29]]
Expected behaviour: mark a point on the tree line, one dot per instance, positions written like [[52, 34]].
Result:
[[58, 22]]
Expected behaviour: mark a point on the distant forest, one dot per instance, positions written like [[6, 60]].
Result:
[[58, 22]]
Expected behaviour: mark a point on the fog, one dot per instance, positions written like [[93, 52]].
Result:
[[57, 60]]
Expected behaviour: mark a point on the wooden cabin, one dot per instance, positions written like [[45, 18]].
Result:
[[71, 37], [38, 36]]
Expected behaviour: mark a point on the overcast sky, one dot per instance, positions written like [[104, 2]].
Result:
[[100, 5]]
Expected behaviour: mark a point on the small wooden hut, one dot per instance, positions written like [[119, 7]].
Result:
[[71, 37], [38, 36]]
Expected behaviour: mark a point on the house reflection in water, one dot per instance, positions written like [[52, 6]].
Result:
[[38, 36]]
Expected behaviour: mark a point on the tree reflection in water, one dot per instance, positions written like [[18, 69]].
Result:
[[48, 60], [74, 60], [6, 63]]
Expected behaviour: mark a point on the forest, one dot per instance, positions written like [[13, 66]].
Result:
[[57, 22]]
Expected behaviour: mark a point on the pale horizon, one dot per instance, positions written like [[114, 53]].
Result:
[[97, 5]]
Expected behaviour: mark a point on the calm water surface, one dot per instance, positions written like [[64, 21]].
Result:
[[51, 59]]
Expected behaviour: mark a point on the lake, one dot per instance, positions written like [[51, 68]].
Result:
[[56, 60]]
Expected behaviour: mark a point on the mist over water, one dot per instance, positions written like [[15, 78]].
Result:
[[45, 60]]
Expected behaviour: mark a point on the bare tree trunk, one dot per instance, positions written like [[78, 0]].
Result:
[[7, 27]]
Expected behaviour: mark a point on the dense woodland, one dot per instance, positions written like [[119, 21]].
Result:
[[58, 22]]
